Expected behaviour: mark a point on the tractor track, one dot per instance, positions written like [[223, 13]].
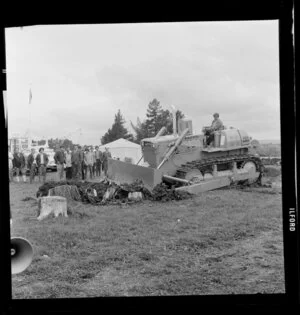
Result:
[[206, 166]]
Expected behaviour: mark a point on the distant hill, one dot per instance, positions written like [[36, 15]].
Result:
[[269, 141]]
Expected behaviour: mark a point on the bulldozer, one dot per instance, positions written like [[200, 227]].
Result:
[[185, 161]]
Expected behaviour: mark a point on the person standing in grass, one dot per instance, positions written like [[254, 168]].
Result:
[[93, 158], [76, 163], [83, 163], [106, 155], [59, 159], [68, 160], [19, 165], [102, 160], [81, 166], [84, 168], [88, 162], [31, 164], [98, 157], [42, 162], [94, 161]]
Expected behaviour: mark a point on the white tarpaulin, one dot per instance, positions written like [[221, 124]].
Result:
[[123, 149]]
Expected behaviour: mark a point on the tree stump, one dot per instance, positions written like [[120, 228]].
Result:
[[52, 204]]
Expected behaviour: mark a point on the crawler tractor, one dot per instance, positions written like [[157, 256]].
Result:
[[185, 161]]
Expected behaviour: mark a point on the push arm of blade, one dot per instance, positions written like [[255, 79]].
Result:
[[139, 160], [176, 179], [171, 151]]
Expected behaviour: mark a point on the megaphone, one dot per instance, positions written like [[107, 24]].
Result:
[[21, 254]]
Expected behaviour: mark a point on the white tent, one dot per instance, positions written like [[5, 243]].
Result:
[[124, 150]]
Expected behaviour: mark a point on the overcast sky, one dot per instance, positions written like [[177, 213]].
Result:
[[80, 75]]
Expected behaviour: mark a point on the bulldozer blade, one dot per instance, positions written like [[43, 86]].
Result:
[[206, 185], [218, 182], [122, 172]]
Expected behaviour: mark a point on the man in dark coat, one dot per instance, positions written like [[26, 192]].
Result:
[[98, 156], [76, 163], [19, 164], [106, 155], [81, 166], [42, 162], [82, 169], [59, 159], [68, 160], [31, 165]]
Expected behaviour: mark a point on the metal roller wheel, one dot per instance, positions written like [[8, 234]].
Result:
[[194, 175]]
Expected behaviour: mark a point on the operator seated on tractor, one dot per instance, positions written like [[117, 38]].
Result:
[[215, 126]]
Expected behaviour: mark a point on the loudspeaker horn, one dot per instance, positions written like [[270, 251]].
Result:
[[21, 254]]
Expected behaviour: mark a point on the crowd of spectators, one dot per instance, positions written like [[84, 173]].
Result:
[[81, 163]]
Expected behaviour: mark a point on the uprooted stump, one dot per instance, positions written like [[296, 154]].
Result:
[[70, 192], [107, 192], [43, 190]]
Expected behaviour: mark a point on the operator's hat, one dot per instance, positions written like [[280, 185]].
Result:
[[216, 114]]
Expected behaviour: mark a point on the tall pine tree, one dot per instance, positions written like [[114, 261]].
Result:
[[153, 121], [156, 119], [117, 130], [140, 129]]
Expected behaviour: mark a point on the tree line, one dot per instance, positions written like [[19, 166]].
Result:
[[156, 118], [267, 150]]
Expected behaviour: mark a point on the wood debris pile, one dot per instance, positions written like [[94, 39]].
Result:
[[107, 192], [161, 192]]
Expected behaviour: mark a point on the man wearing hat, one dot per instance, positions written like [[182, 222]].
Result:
[[215, 126], [217, 123], [59, 159]]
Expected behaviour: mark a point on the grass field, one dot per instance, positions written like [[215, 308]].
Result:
[[220, 242]]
